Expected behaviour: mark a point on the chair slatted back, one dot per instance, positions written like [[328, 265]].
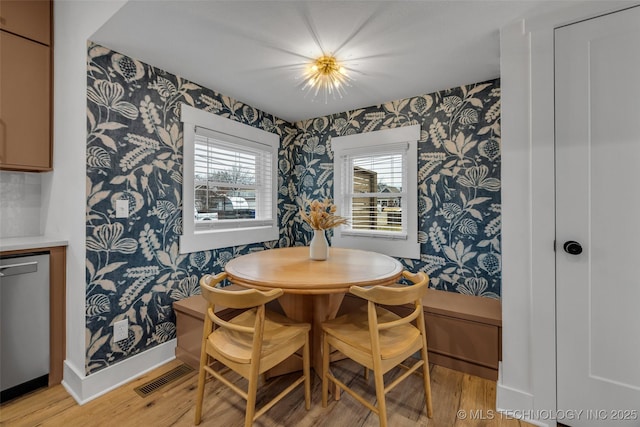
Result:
[[394, 296], [245, 299]]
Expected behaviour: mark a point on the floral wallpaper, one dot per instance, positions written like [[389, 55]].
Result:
[[134, 151], [458, 179], [134, 269]]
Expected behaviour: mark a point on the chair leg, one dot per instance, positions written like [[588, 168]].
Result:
[[325, 369], [427, 382], [366, 374], [307, 374], [382, 405], [201, 382], [251, 399]]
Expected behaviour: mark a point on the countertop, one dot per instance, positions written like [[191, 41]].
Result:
[[31, 242]]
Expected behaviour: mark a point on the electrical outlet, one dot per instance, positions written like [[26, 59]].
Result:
[[121, 330], [122, 208]]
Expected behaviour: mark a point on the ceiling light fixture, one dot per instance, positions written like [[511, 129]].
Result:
[[326, 75]]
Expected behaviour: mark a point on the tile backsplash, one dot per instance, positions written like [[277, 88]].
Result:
[[20, 204]]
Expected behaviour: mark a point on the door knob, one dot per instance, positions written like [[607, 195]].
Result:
[[572, 248]]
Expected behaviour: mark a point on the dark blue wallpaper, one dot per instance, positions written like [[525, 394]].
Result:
[[458, 179], [134, 151]]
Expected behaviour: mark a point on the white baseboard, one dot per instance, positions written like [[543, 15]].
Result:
[[518, 404], [84, 388]]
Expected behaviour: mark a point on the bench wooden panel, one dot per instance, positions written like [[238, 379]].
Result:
[[464, 332], [189, 324]]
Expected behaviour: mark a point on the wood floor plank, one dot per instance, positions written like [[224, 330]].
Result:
[[36, 407], [174, 405], [446, 388]]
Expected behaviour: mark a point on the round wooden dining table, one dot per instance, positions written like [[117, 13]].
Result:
[[313, 290]]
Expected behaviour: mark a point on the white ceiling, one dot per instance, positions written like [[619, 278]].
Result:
[[255, 51]]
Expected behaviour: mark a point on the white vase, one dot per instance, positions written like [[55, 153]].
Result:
[[319, 247]]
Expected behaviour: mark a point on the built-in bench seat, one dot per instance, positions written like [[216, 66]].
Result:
[[464, 332]]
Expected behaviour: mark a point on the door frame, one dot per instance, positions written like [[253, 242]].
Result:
[[527, 381]]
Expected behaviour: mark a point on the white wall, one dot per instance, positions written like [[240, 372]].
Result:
[[64, 200], [527, 383]]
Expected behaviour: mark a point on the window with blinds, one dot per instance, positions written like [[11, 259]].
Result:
[[229, 183], [375, 197], [376, 187], [232, 182]]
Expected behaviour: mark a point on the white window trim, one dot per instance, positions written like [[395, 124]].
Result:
[[393, 244], [236, 234]]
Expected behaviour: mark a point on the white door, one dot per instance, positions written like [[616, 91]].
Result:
[[597, 85]]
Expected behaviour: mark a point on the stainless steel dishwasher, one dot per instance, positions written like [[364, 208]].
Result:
[[24, 324]]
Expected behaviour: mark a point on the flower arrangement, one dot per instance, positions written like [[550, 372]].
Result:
[[321, 215]]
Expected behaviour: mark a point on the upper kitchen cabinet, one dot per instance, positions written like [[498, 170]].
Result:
[[25, 86], [29, 19]]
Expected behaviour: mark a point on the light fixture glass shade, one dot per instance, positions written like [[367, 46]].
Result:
[[325, 75]]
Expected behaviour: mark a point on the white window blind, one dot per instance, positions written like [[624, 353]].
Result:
[[229, 182], [374, 194], [375, 186], [232, 181]]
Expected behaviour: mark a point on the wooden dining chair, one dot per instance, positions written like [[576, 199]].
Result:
[[249, 344], [380, 340]]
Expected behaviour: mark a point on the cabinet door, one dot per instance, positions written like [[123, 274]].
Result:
[[25, 104], [27, 18]]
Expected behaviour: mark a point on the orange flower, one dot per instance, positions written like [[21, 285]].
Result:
[[321, 215]]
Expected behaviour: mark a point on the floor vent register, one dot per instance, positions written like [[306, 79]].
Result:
[[163, 380]]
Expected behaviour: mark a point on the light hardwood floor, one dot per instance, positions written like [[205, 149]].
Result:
[[174, 405]]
